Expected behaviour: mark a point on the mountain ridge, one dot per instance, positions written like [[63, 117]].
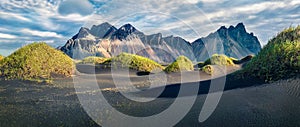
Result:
[[107, 41]]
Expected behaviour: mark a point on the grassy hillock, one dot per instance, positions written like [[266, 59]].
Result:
[[36, 61], [93, 60], [287, 35], [182, 63], [132, 61], [208, 69], [216, 59], [279, 59], [219, 59]]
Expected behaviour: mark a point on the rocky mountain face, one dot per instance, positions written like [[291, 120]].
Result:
[[233, 41], [107, 41]]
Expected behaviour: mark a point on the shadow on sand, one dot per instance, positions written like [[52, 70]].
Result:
[[172, 90]]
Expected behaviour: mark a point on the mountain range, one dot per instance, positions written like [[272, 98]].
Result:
[[106, 40]]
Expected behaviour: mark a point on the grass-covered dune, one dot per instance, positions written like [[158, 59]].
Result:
[[208, 69], [219, 59], [93, 60], [223, 60], [36, 61], [182, 63], [279, 59], [216, 59], [135, 62]]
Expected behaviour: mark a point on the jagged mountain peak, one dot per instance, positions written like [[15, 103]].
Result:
[[102, 24], [125, 31], [104, 39], [234, 41], [239, 26], [82, 33], [83, 30], [127, 28], [102, 30], [222, 28]]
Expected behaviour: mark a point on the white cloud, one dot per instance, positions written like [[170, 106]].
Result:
[[45, 14], [7, 36], [14, 16], [203, 1], [251, 9], [41, 33]]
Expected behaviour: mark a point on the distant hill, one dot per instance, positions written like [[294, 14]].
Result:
[[37, 61], [106, 40], [279, 59]]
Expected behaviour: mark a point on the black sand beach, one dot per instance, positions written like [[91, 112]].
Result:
[[247, 103]]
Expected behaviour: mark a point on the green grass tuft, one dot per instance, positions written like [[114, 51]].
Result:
[[182, 63], [219, 59], [279, 59], [208, 69], [288, 35], [139, 63], [93, 60], [37, 62]]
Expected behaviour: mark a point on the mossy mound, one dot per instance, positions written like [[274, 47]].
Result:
[[139, 63], [208, 69], [288, 35], [93, 60], [219, 59], [37, 61], [279, 59], [182, 63]]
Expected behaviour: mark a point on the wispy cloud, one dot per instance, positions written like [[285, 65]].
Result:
[[7, 15], [7, 36], [58, 20], [40, 33]]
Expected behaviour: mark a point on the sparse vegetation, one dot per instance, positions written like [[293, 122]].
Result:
[[182, 63], [288, 35], [93, 60], [132, 61], [219, 59], [208, 69], [279, 59], [38, 62]]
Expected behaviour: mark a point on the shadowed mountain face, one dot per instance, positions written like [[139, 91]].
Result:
[[233, 41], [107, 41]]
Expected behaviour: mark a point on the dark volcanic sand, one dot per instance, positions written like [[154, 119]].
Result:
[[36, 104]]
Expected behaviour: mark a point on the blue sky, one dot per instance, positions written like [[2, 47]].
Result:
[[55, 21]]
